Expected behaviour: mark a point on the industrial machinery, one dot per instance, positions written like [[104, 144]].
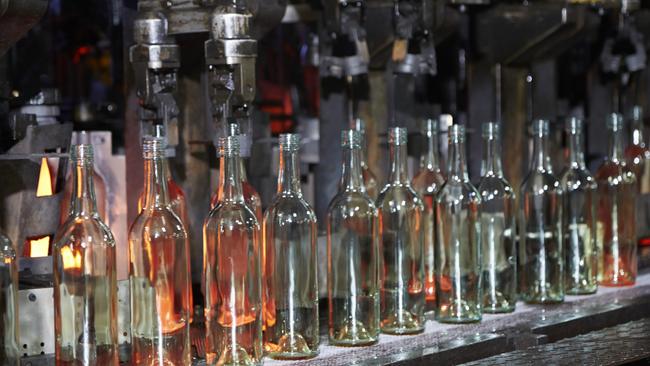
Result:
[[308, 66]]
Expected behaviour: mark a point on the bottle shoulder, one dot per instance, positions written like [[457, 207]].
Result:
[[614, 173], [458, 190], [539, 181], [352, 200], [428, 182], [493, 187], [160, 222], [394, 195], [575, 178], [290, 207], [84, 230], [231, 212]]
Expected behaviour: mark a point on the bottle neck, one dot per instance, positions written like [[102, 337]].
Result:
[[398, 163], [491, 164], [429, 161], [242, 170], [155, 184], [230, 188], [351, 177], [457, 161], [616, 145], [576, 154], [541, 160], [83, 193], [364, 150], [289, 175]]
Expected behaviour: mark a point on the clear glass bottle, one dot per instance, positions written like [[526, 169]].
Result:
[[9, 339], [579, 214], [369, 178], [498, 228], [426, 184], [616, 213], [159, 271], [637, 153], [458, 245], [85, 286], [401, 232], [291, 264], [251, 196], [352, 254], [178, 203], [232, 270], [541, 258]]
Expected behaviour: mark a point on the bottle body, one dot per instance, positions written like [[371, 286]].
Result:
[[352, 257], [159, 273], [426, 184], [541, 258], [498, 228], [458, 246], [85, 287], [231, 270], [291, 278], [401, 269], [9, 336]]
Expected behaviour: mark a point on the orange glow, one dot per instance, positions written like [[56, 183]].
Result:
[[44, 180], [70, 260], [40, 247]]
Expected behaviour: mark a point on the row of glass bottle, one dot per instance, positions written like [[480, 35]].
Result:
[[384, 261]]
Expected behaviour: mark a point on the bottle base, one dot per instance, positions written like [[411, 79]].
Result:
[[498, 309], [291, 347], [288, 356], [544, 301], [618, 283], [353, 343], [581, 291], [402, 322], [450, 320]]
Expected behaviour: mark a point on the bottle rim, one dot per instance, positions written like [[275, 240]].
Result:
[[289, 142], [351, 139], [153, 147], [456, 133], [82, 153], [491, 130], [541, 127], [397, 136], [615, 122], [574, 125], [228, 146]]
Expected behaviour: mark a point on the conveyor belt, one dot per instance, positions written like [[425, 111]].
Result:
[[616, 345]]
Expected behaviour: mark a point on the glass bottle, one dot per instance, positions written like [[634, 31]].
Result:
[[251, 197], [9, 351], [458, 245], [498, 228], [232, 270], [401, 243], [579, 214], [541, 259], [352, 254], [159, 271], [369, 178], [616, 213], [85, 287], [291, 264], [426, 184], [637, 153], [178, 204]]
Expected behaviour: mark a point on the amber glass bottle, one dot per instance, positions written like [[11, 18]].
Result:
[[231, 269], [85, 287], [159, 271], [401, 243]]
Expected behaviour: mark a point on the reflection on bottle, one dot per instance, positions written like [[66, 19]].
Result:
[[401, 243], [159, 271], [85, 287], [290, 271], [457, 257], [616, 213], [541, 258], [352, 254], [497, 228]]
